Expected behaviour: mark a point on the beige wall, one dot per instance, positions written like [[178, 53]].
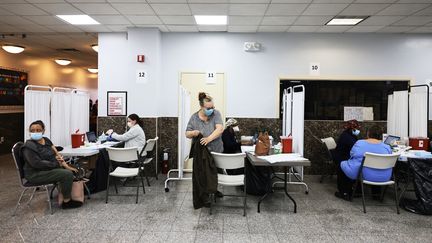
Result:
[[47, 72]]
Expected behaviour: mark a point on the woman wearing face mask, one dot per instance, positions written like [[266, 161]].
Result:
[[135, 136], [230, 143], [346, 141], [44, 165], [208, 122]]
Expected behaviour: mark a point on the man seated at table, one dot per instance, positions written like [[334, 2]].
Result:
[[44, 165], [349, 169]]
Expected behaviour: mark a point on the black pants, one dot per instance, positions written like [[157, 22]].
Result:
[[346, 184]]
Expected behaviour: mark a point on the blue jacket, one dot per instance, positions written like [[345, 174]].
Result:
[[351, 167]]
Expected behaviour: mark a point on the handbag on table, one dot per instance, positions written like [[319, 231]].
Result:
[[262, 146]]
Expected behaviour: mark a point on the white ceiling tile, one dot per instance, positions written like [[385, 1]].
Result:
[[4, 28], [35, 28], [363, 9], [182, 28], [162, 28], [381, 20], [23, 9], [167, 1], [118, 28], [414, 20], [375, 1], [171, 9], [86, 1], [313, 20], [143, 19], [247, 9], [333, 29], [396, 29], [208, 1], [59, 8], [324, 9], [64, 28], [96, 8], [333, 1], [426, 11], [111, 19], [402, 9], [178, 20], [126, 1], [291, 1], [364, 29], [133, 9], [212, 28], [249, 1], [244, 20], [45, 1], [4, 12], [414, 1], [94, 28], [423, 29], [209, 9], [278, 20], [242, 29], [272, 28], [15, 20], [45, 20], [285, 9]]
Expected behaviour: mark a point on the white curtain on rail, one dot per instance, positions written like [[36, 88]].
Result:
[[286, 115], [79, 116], [418, 112], [37, 107], [298, 121], [185, 143], [397, 112], [60, 117]]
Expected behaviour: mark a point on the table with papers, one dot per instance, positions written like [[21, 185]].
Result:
[[86, 151]]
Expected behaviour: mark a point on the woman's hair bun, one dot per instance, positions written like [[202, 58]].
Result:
[[202, 96]]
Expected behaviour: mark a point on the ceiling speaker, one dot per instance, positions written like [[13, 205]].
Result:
[[252, 46]]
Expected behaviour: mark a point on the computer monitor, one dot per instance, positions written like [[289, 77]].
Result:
[[91, 137], [390, 140]]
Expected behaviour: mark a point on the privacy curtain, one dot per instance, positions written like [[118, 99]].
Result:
[[79, 111], [184, 143], [60, 116], [286, 115], [298, 119], [418, 112], [37, 107], [397, 119]]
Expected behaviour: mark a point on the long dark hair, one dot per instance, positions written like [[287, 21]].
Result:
[[137, 119]]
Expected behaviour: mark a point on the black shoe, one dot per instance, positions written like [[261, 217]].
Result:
[[71, 204], [344, 196], [219, 194]]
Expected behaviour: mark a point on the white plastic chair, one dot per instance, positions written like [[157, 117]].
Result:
[[382, 162], [229, 162], [330, 145], [147, 155], [124, 155]]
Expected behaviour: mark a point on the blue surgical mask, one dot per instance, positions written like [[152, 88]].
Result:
[[356, 132], [36, 136], [208, 112]]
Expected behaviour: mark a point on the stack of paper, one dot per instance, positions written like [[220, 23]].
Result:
[[275, 158]]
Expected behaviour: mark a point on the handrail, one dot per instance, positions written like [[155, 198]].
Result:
[[37, 86]]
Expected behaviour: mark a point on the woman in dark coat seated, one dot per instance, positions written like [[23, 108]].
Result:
[[346, 141]]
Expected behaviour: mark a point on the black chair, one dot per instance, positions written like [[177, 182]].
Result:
[[330, 145], [147, 155], [25, 185]]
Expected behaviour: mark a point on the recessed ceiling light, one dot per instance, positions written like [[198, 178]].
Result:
[[95, 47], [13, 49], [346, 20], [211, 19], [78, 19], [93, 70], [63, 62]]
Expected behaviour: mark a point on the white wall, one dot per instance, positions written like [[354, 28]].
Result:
[[252, 77], [47, 72]]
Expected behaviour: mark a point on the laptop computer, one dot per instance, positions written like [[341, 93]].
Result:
[[391, 140], [91, 137]]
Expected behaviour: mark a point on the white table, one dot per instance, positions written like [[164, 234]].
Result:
[[85, 151], [404, 156]]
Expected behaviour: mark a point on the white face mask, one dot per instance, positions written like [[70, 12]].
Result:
[[236, 129], [129, 124]]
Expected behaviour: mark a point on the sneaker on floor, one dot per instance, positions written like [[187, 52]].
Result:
[[219, 194], [71, 204]]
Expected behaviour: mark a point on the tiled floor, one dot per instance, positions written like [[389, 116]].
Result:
[[170, 217]]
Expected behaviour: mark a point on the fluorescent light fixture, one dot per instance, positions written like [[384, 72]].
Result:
[[346, 20], [63, 62], [78, 19], [13, 49], [95, 47], [93, 70], [211, 19]]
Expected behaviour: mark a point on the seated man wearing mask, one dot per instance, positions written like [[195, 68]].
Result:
[[44, 165], [230, 143]]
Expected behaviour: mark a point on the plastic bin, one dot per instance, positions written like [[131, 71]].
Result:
[[286, 144], [77, 140]]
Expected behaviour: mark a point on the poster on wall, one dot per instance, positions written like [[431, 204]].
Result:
[[116, 103], [12, 85]]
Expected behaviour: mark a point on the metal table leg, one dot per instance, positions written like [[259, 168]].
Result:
[[286, 191], [261, 199]]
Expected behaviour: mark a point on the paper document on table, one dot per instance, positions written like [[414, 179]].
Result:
[[275, 158]]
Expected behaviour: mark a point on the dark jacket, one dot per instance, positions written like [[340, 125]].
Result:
[[204, 176], [38, 157], [343, 146], [230, 144]]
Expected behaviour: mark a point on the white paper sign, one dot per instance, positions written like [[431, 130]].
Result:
[[141, 76], [314, 68], [211, 77], [358, 113]]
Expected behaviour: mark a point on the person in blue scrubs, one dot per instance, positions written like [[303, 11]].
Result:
[[349, 169]]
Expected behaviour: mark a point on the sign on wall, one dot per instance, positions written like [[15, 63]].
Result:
[[210, 77], [314, 69], [116, 103], [141, 76]]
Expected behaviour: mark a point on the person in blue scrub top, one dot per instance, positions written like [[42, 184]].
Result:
[[349, 169]]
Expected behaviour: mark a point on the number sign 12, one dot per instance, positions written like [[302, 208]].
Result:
[[141, 76]]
